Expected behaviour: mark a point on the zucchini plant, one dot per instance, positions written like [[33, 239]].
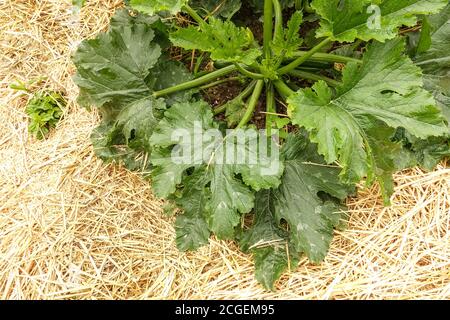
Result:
[[333, 92]]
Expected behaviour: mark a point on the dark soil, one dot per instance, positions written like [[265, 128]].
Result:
[[223, 93], [219, 95]]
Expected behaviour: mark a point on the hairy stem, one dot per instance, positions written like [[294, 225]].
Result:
[[198, 64], [219, 82], [327, 57], [312, 76], [193, 14], [244, 94], [252, 103], [196, 82], [278, 18], [283, 89], [297, 62], [268, 27], [248, 73], [270, 108]]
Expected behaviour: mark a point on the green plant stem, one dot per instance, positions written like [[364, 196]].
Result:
[[198, 63], [283, 89], [307, 7], [309, 69], [248, 73], [270, 108], [252, 103], [278, 18], [193, 14], [268, 27], [327, 57], [297, 62], [244, 94], [219, 82], [313, 76], [196, 82], [201, 74]]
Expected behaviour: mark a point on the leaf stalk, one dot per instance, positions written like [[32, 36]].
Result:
[[268, 27], [313, 76], [248, 73], [326, 57], [300, 60], [252, 103], [283, 89], [189, 10], [278, 18], [196, 82], [270, 108], [221, 81]]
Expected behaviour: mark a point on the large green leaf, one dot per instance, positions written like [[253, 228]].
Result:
[[126, 64], [189, 133], [153, 6], [122, 18], [127, 138], [191, 227], [138, 120], [389, 156], [224, 40], [308, 198], [268, 242], [426, 153], [347, 20], [112, 68], [433, 47], [117, 72], [184, 118], [109, 145], [192, 232], [386, 88], [229, 198], [434, 58], [431, 151]]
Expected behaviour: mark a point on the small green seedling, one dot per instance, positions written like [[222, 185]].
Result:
[[44, 109]]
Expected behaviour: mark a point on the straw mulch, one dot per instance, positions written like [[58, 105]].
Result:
[[72, 227]]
